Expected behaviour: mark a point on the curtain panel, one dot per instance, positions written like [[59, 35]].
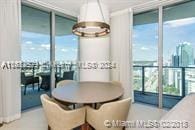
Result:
[[121, 50], [10, 99]]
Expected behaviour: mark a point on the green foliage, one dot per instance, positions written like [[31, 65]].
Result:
[[171, 89]]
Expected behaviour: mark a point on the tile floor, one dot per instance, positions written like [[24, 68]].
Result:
[[34, 119]]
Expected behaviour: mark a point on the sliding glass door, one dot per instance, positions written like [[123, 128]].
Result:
[[145, 57], [35, 53], [40, 48], [66, 49]]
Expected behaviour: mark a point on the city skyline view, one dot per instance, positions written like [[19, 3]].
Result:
[[175, 32], [178, 51], [144, 42]]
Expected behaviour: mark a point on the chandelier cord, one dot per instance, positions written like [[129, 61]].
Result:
[[101, 10]]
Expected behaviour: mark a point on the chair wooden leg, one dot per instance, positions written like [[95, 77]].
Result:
[[1, 124], [89, 128], [25, 90], [33, 86], [49, 128], [85, 127], [38, 87], [74, 106]]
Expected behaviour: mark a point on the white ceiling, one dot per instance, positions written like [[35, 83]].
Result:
[[113, 5]]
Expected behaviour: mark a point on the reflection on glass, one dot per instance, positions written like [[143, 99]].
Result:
[[190, 81], [172, 81], [137, 79], [179, 45], [151, 80], [35, 52], [178, 52], [66, 50], [145, 54]]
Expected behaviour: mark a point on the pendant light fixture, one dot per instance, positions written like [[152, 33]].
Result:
[[92, 28]]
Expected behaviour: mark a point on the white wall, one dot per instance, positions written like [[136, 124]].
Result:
[[94, 49], [97, 50]]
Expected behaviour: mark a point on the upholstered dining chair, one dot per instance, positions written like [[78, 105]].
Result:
[[117, 110], [69, 75], [59, 118], [29, 80]]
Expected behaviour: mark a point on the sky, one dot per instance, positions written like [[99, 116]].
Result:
[[36, 47], [145, 38]]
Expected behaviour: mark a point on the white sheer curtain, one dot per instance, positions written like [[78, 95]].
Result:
[[10, 99], [121, 50]]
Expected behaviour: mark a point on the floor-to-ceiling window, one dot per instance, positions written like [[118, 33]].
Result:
[[178, 54], [178, 51], [66, 49], [35, 54], [145, 56], [38, 51]]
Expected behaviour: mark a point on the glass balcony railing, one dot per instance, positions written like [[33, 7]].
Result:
[[43, 72], [34, 68], [36, 80], [177, 82]]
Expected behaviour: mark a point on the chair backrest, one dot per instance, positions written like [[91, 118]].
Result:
[[60, 119], [68, 75], [117, 109], [23, 78], [22, 74], [52, 112], [117, 83], [64, 82]]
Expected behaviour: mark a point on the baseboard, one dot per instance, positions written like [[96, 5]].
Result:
[[10, 118]]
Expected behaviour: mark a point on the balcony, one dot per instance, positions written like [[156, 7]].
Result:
[[177, 82], [33, 71]]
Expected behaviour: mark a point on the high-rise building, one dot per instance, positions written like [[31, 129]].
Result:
[[175, 60], [184, 57], [185, 52]]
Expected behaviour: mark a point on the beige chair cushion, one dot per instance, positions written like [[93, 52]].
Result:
[[117, 110], [117, 83], [61, 119], [65, 107]]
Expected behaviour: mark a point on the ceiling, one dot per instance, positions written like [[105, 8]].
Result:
[[113, 5]]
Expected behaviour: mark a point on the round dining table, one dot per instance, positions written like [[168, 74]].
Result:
[[88, 92]]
